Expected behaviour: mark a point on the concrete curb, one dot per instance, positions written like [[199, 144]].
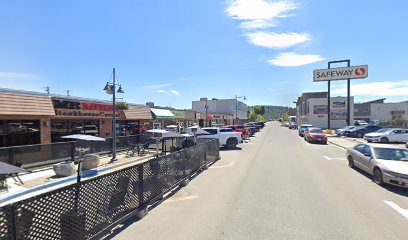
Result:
[[338, 145]]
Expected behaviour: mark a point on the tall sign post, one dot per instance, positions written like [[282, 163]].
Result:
[[344, 73]]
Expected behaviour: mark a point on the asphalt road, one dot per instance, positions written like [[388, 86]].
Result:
[[277, 187]]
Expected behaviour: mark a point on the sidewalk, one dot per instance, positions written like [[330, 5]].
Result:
[[45, 180], [345, 142]]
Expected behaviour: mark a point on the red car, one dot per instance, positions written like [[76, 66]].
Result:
[[315, 135], [240, 128]]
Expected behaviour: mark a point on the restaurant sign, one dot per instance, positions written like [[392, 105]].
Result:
[[68, 108]]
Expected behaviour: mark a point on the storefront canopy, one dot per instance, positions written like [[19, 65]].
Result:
[[25, 104], [162, 114], [138, 113]]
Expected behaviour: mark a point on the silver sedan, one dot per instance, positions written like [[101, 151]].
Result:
[[386, 164]]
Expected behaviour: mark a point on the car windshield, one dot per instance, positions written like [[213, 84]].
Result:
[[391, 154], [316, 131]]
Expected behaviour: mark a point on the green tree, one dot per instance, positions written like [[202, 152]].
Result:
[[285, 117], [252, 116], [259, 110]]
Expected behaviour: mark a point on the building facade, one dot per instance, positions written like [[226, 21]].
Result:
[[312, 109], [221, 110]]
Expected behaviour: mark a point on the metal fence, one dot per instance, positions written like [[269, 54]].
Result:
[[39, 155], [89, 209]]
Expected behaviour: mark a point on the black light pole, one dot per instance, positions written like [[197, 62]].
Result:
[[206, 113], [110, 88]]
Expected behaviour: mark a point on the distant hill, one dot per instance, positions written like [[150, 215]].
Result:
[[274, 112]]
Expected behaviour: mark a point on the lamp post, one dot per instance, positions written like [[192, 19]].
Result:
[[110, 88], [206, 113], [236, 107]]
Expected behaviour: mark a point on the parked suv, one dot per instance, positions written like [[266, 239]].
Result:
[[360, 131]]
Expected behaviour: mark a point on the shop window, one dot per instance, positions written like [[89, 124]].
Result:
[[19, 132], [61, 128]]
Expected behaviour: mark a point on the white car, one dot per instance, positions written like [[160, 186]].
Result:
[[386, 135], [228, 139], [386, 164], [361, 122]]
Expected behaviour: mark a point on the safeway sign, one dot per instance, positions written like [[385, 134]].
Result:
[[343, 73]]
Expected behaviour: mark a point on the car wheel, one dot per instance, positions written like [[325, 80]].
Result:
[[384, 140], [359, 135], [377, 176], [232, 143], [350, 161]]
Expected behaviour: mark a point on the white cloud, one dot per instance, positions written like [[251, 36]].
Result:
[[18, 76], [175, 92], [294, 60], [162, 91], [277, 40], [259, 9], [258, 23], [158, 86], [380, 89]]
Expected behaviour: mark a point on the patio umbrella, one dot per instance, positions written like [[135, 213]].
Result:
[[197, 130], [84, 137], [160, 133], [6, 169]]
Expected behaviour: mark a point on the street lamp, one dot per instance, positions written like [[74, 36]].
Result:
[[206, 112], [110, 89], [236, 107]]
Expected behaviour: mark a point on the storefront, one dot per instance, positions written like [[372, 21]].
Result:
[[162, 117], [24, 118], [138, 119], [73, 116]]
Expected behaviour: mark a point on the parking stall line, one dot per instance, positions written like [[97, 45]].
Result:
[[403, 212]]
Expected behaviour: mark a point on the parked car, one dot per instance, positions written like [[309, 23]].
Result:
[[302, 129], [262, 124], [228, 139], [258, 127], [253, 130], [340, 131], [293, 125], [315, 135], [386, 164], [386, 135], [360, 122], [361, 130], [90, 130], [240, 128]]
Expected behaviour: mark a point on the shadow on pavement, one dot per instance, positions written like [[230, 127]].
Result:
[[397, 190], [230, 149]]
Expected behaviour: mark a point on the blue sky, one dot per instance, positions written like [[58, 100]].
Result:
[[173, 52]]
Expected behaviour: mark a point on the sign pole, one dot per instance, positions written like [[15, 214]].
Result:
[[342, 73], [328, 100], [348, 97]]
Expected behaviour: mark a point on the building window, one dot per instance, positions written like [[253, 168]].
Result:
[[61, 128], [19, 132]]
